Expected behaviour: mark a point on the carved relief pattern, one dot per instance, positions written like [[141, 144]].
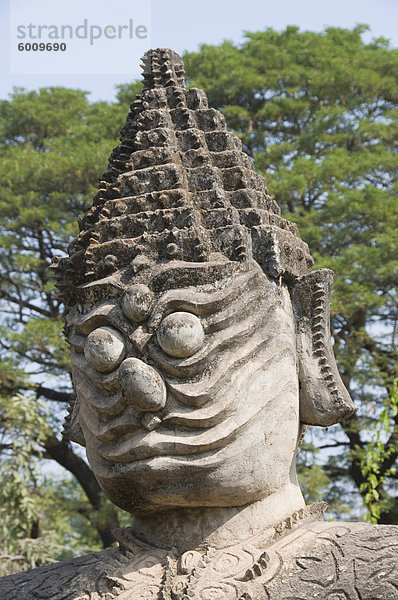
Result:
[[326, 561], [320, 333], [331, 561]]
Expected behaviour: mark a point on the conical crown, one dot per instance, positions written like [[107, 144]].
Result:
[[179, 187]]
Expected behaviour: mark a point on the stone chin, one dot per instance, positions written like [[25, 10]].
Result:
[[176, 397]]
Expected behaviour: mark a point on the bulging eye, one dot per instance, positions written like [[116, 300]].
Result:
[[104, 349], [137, 302], [180, 334]]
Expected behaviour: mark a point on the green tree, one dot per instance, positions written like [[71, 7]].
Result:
[[318, 113], [42, 517], [53, 146]]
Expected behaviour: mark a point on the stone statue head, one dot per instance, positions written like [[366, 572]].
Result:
[[199, 333]]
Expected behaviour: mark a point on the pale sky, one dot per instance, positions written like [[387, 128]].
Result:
[[177, 24]]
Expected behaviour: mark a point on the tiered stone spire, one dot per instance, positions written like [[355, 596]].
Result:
[[179, 187]]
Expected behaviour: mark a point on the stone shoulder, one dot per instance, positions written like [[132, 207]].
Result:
[[323, 560]]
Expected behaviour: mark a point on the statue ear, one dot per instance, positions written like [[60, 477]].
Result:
[[72, 430], [324, 400]]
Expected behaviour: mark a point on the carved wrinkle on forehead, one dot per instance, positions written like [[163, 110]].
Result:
[[202, 302], [105, 313]]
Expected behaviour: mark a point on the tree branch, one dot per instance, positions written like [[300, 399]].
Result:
[[24, 304], [54, 394]]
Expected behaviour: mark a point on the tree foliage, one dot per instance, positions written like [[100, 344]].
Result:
[[318, 113], [376, 454], [37, 524]]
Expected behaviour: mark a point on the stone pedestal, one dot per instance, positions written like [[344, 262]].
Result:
[[301, 558]]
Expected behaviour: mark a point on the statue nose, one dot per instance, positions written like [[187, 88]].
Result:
[[142, 385]]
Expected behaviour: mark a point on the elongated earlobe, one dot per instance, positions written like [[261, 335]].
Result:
[[324, 399]]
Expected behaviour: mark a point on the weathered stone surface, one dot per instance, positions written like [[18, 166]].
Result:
[[142, 386], [218, 354], [298, 559], [311, 297], [104, 349], [177, 178], [180, 334], [186, 256], [200, 347], [137, 303]]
